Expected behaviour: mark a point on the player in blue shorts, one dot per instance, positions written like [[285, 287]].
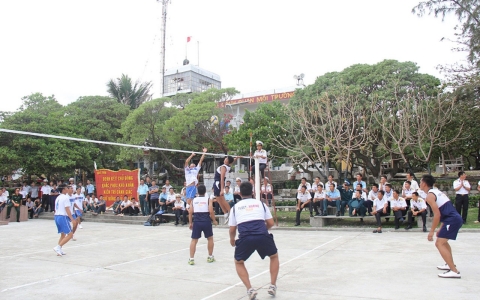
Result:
[[191, 176], [219, 185], [79, 198], [202, 212], [253, 219], [72, 197], [443, 211], [63, 217]]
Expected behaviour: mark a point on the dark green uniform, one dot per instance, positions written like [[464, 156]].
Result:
[[18, 200]]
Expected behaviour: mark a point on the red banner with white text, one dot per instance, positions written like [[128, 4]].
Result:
[[111, 184]]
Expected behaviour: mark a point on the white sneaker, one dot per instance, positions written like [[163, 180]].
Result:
[[272, 290], [58, 250], [80, 226], [450, 274], [444, 267], [252, 294], [226, 219], [73, 238], [63, 253]]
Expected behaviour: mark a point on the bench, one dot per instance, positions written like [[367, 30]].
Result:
[[322, 221]]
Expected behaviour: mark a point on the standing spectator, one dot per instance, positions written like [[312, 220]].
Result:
[[71, 182], [330, 182], [34, 189], [90, 188], [399, 207], [261, 155], [167, 185], [266, 191], [236, 190], [25, 191], [191, 176], [15, 203], [37, 208], [54, 192], [372, 195], [154, 196], [380, 205], [407, 192], [3, 198], [303, 199], [413, 183], [360, 182], [79, 198], [142, 192], [346, 194], [82, 188], [99, 206], [148, 182], [333, 198], [418, 207], [318, 198], [478, 219], [46, 189], [179, 210], [29, 204], [462, 188]]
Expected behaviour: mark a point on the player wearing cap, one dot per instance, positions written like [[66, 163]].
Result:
[[200, 217], [443, 211], [253, 219], [63, 217], [191, 176], [261, 155]]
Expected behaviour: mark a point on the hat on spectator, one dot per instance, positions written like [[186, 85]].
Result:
[[71, 179], [259, 143], [178, 196], [238, 179], [267, 179], [347, 182]]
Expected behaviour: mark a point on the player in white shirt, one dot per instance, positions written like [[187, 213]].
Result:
[[261, 155], [200, 217], [303, 199], [399, 208], [462, 188], [418, 208], [191, 176], [318, 198], [72, 198], [63, 217], [79, 198], [253, 220], [380, 205], [179, 210]]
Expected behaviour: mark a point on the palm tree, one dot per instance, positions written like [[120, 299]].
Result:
[[127, 93]]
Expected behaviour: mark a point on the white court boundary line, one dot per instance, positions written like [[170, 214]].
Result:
[[266, 271], [95, 269]]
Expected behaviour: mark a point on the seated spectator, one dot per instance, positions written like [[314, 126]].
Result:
[[179, 210], [332, 199], [15, 202], [236, 190], [162, 199], [3, 198], [383, 183], [355, 205], [329, 182], [167, 185], [407, 192], [361, 183], [183, 192], [29, 204], [318, 198], [315, 184], [266, 191], [126, 206], [116, 206], [418, 207], [399, 207], [388, 196], [135, 207], [304, 183], [372, 195], [303, 199], [380, 205], [91, 203], [229, 196], [37, 208], [99, 206], [346, 194], [170, 199]]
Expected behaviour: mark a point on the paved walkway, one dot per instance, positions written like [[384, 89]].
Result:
[[114, 261]]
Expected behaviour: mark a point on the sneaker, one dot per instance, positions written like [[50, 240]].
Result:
[[80, 226], [210, 259], [272, 290], [450, 274], [226, 219], [338, 214], [73, 238], [63, 253], [444, 267], [408, 227], [252, 294], [58, 250], [191, 262]]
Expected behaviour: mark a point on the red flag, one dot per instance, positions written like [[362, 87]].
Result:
[[189, 38]]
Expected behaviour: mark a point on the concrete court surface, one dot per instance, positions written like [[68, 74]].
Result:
[[114, 261]]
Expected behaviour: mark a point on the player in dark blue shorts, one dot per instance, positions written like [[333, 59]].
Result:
[[253, 219], [444, 212], [201, 210]]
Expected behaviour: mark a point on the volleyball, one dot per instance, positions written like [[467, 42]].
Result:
[[214, 120]]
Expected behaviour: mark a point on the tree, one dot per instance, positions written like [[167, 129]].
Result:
[[128, 93]]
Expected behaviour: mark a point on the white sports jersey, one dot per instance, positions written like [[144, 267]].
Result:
[[62, 203], [72, 199], [191, 175], [441, 197], [419, 204], [248, 210], [79, 200], [200, 204]]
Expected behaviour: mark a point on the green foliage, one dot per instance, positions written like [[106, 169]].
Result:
[[128, 93]]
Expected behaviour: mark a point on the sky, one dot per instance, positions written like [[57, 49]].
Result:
[[72, 48]]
